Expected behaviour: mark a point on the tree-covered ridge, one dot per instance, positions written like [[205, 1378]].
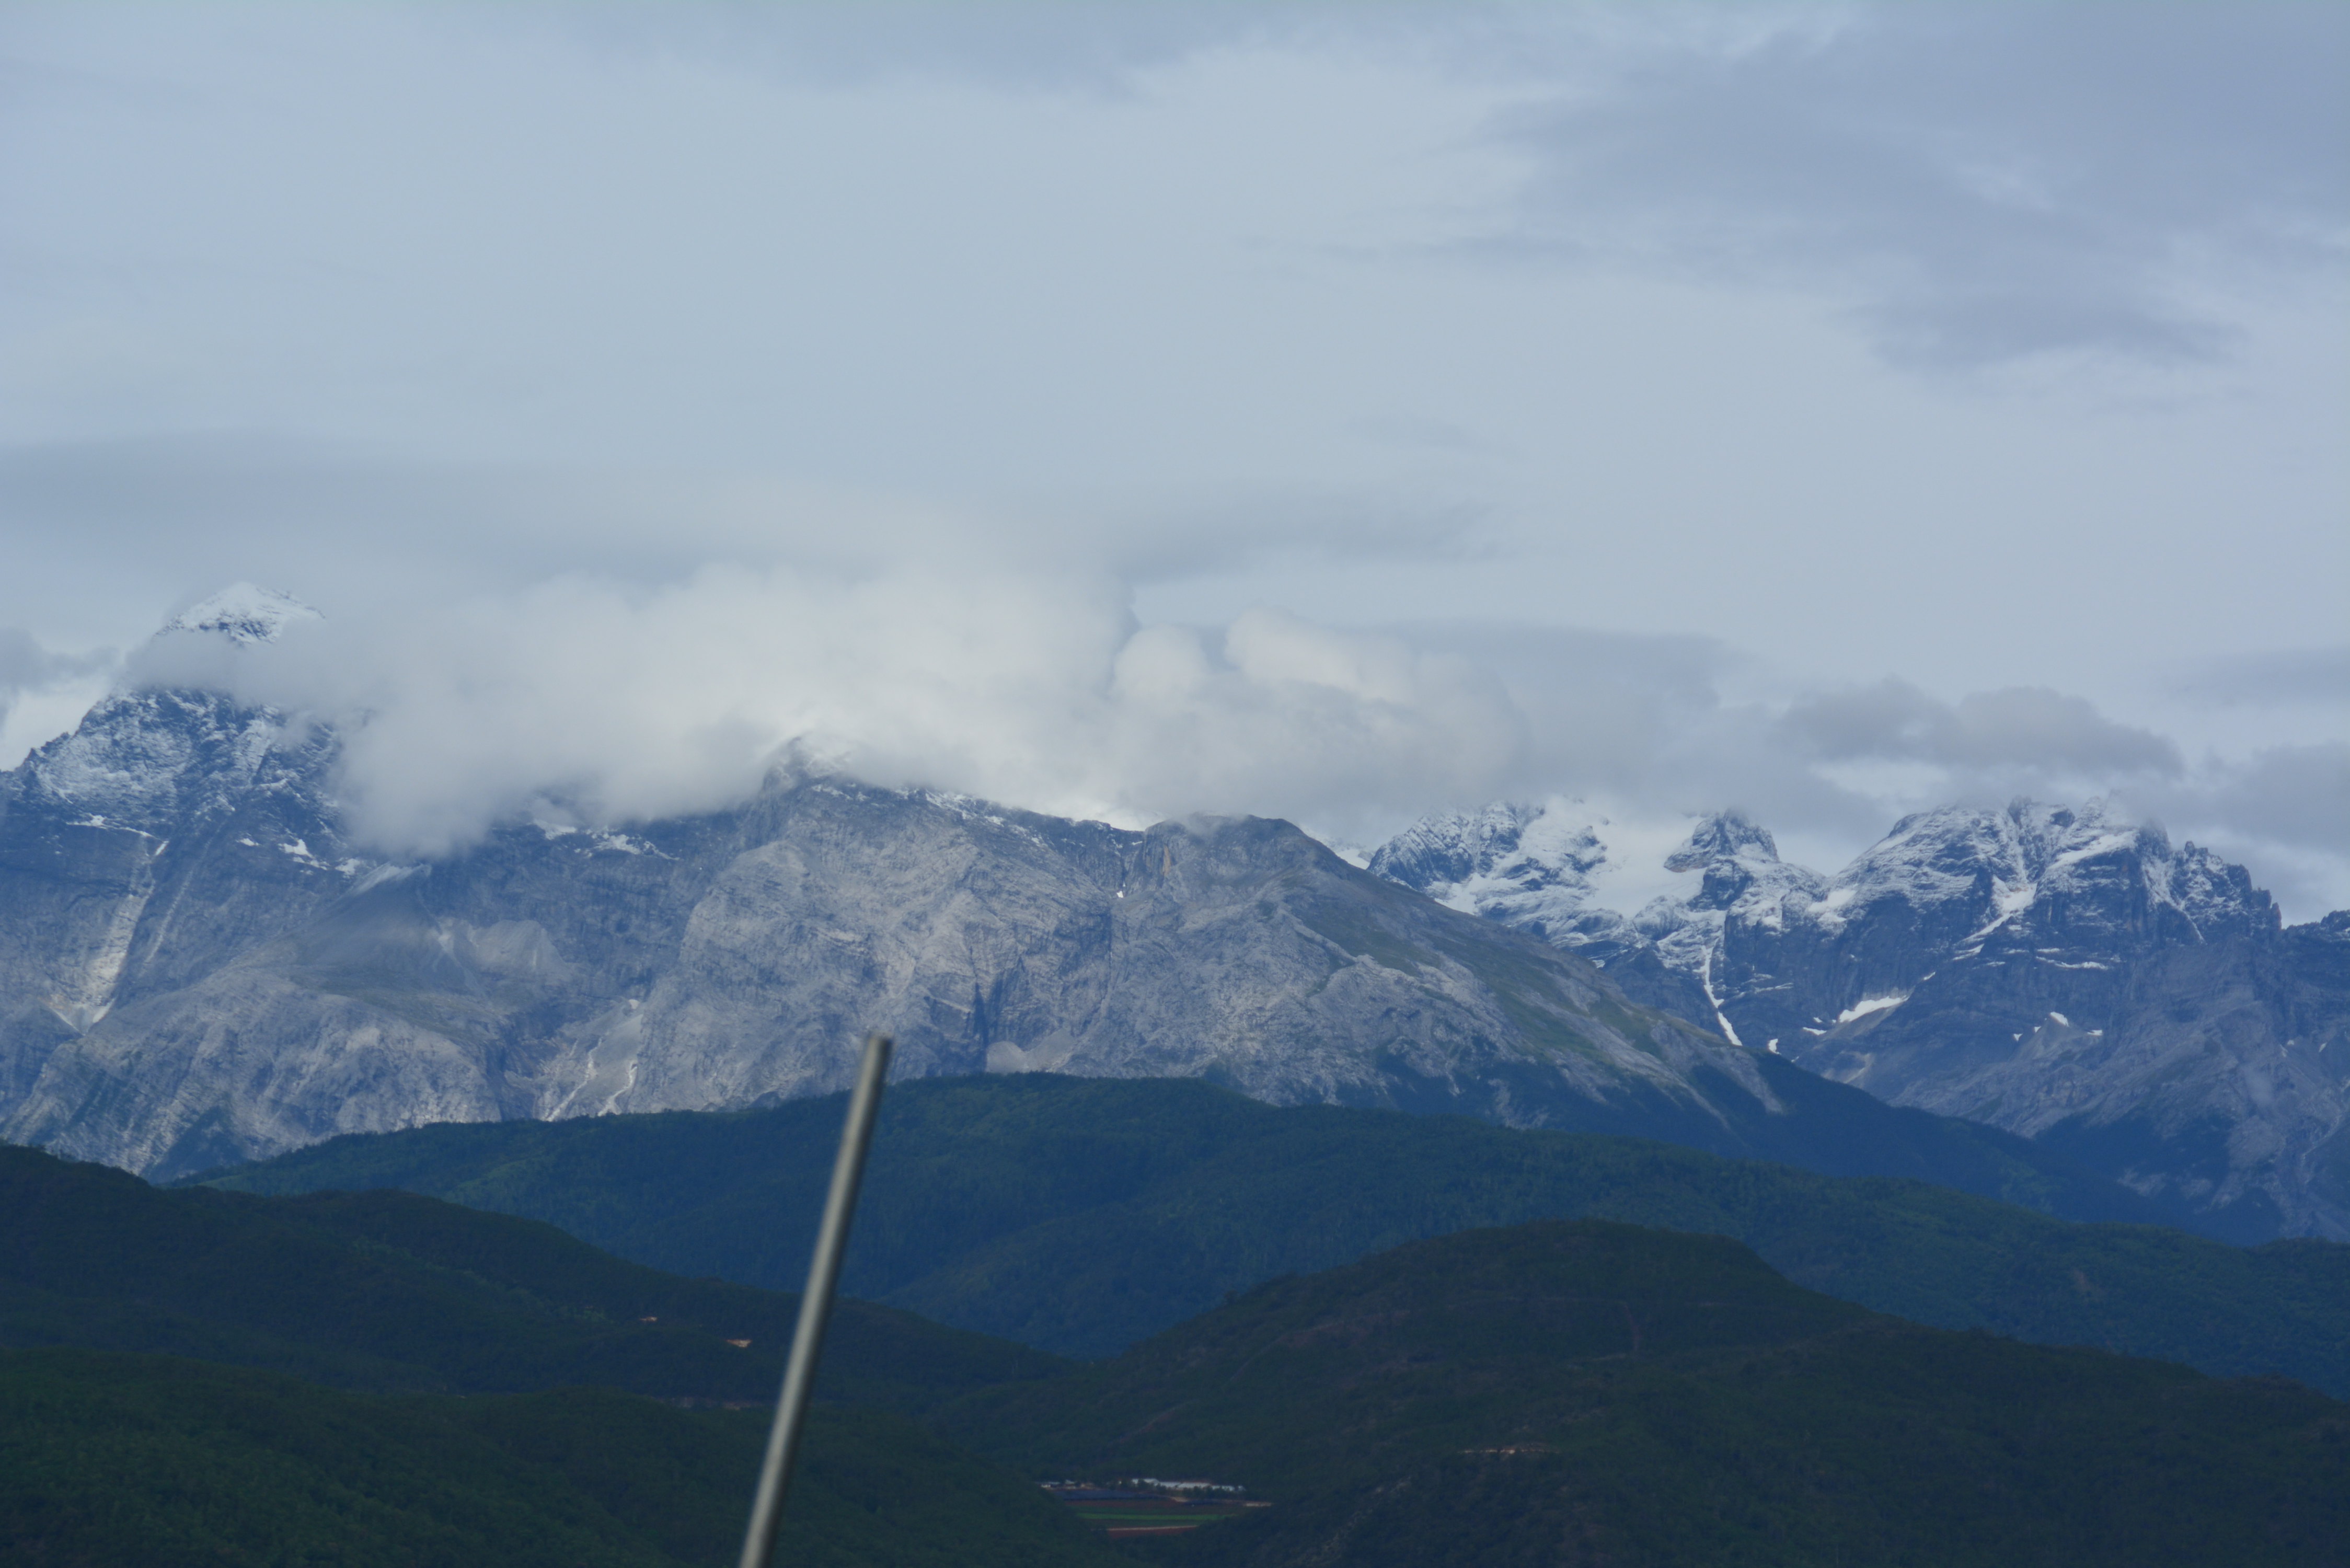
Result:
[[356, 1378], [1083, 1214], [395, 1292], [108, 1458], [1580, 1392], [1561, 1391]]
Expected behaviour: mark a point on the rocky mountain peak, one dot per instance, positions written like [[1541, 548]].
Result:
[[2060, 971], [2049, 868], [1741, 873], [1724, 835], [1452, 846], [143, 761], [245, 613], [171, 747], [1528, 866]]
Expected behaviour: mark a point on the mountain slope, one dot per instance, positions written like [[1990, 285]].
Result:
[[1582, 1392], [1083, 1215], [394, 1292], [386, 1304], [114, 1458], [198, 970], [2064, 975]]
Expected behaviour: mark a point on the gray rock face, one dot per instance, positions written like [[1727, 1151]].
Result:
[[143, 852], [2060, 973], [196, 969], [2221, 1075]]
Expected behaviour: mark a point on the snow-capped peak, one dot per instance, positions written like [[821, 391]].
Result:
[[1527, 866], [1724, 835], [245, 613], [1743, 871], [1787, 956], [1990, 868]]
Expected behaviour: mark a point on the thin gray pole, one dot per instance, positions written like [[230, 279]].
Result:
[[815, 1307]]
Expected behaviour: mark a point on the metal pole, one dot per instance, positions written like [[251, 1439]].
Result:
[[815, 1307]]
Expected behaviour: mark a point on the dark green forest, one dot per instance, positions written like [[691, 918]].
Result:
[[1415, 1340], [364, 1379], [1080, 1215], [1582, 1392], [108, 1460], [393, 1292]]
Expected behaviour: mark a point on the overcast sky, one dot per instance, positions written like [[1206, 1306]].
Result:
[[1333, 412]]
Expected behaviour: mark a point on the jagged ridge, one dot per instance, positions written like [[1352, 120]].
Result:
[[2060, 972]]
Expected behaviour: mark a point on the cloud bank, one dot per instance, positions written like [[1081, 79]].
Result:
[[582, 699], [588, 699]]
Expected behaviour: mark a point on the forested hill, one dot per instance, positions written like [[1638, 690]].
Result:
[[394, 1292], [1580, 1392], [1082, 1214], [382, 1380]]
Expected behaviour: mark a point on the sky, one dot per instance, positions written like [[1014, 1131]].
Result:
[[1336, 413]]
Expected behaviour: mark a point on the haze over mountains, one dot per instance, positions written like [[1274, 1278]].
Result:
[[202, 967]]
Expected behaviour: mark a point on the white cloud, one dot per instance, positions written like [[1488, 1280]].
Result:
[[587, 699], [580, 696]]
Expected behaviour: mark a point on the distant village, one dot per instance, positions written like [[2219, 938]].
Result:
[[1150, 1505]]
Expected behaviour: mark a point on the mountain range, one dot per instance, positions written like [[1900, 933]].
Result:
[[2061, 973], [198, 967]]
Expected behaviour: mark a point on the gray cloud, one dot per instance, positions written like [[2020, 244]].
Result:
[[2284, 812], [1649, 724], [1640, 718], [2292, 795], [29, 671], [23, 661], [176, 517], [580, 699], [1978, 183], [2022, 727], [2290, 676], [27, 666]]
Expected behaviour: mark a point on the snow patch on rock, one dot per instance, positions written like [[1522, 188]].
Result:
[[1868, 1004]]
